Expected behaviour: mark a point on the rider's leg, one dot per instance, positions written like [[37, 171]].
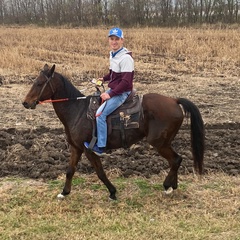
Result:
[[103, 111]]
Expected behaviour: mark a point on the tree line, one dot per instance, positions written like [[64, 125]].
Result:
[[119, 12]]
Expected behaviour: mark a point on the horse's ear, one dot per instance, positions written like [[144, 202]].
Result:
[[51, 71], [45, 68]]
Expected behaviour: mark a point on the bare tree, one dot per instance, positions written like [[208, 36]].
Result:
[[119, 12], [2, 10]]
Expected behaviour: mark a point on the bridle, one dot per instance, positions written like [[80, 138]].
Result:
[[48, 80]]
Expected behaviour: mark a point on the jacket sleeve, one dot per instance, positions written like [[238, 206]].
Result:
[[106, 78], [124, 85]]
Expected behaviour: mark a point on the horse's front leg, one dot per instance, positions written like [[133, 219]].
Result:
[[74, 159], [97, 164]]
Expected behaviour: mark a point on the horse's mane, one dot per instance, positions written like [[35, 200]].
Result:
[[71, 90]]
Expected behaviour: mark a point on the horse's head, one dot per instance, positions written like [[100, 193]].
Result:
[[41, 89]]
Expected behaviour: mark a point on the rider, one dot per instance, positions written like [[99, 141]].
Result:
[[120, 78]]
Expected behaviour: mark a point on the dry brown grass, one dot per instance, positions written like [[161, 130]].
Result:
[[166, 60], [78, 52]]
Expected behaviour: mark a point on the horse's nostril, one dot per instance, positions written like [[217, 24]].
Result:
[[25, 104]]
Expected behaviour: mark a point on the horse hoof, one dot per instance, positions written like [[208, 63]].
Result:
[[60, 196], [112, 198], [169, 191]]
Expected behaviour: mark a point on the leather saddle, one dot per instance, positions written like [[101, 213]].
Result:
[[127, 116]]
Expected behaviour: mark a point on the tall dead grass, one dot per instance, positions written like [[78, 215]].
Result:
[[78, 52]]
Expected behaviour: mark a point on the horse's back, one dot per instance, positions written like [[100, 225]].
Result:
[[161, 107]]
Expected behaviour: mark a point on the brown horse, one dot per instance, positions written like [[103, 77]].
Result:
[[162, 118]]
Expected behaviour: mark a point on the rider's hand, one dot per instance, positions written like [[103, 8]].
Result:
[[105, 96]]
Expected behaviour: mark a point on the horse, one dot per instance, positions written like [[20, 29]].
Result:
[[162, 119]]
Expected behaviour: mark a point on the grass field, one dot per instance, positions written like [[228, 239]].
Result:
[[199, 209]]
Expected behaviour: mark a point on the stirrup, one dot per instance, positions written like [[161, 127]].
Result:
[[92, 143]]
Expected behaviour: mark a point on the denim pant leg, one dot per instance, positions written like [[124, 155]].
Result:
[[103, 111]]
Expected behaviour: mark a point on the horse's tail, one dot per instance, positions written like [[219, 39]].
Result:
[[197, 132]]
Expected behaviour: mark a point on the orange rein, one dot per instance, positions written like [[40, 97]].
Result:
[[60, 100]]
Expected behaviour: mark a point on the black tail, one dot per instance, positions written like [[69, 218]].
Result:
[[197, 132]]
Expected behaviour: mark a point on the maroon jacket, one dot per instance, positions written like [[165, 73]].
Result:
[[121, 72]]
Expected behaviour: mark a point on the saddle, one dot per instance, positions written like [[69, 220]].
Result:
[[127, 116]]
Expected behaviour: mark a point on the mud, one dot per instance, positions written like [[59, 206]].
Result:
[[33, 142]]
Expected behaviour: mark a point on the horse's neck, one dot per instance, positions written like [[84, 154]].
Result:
[[65, 89], [69, 111]]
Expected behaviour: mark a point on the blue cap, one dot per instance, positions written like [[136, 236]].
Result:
[[116, 32]]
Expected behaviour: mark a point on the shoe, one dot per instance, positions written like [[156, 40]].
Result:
[[99, 151]]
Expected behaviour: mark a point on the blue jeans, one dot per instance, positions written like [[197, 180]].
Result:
[[103, 111]]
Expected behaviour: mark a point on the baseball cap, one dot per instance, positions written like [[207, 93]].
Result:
[[116, 32]]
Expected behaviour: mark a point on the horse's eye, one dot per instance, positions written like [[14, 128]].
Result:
[[38, 83]]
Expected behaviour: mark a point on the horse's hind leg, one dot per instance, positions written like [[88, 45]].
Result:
[[174, 161], [97, 164], [74, 158], [161, 137]]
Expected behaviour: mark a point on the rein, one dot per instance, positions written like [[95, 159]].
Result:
[[60, 100]]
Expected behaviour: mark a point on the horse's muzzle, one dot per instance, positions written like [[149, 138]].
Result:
[[30, 106]]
